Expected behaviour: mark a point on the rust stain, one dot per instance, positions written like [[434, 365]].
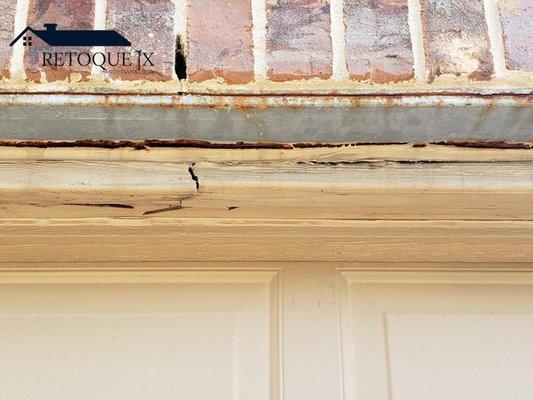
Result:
[[500, 144], [378, 143], [43, 144], [214, 145], [257, 101], [317, 145], [144, 144], [204, 144]]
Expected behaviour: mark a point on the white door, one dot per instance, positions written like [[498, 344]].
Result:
[[438, 335], [200, 335], [298, 331]]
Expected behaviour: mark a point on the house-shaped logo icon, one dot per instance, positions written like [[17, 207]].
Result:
[[86, 38]]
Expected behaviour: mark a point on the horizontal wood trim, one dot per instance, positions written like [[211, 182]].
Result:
[[172, 276], [368, 152], [257, 211], [228, 203], [171, 266], [83, 175], [524, 277], [260, 240]]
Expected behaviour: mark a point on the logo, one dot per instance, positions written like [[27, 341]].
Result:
[[54, 37]]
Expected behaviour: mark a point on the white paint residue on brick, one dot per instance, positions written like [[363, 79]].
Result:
[[338, 41], [259, 20], [180, 26], [180, 19], [17, 57], [100, 8], [494, 28], [417, 39]]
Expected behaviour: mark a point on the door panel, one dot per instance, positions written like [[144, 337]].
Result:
[[199, 339], [302, 331], [451, 336]]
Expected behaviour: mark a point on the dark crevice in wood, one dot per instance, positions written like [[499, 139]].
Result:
[[194, 177], [165, 209], [110, 205]]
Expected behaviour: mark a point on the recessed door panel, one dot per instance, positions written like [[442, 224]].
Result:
[[452, 336], [180, 340]]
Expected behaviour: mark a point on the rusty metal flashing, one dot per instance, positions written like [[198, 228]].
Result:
[[265, 121]]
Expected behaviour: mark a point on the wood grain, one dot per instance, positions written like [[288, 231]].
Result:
[[107, 240], [58, 212]]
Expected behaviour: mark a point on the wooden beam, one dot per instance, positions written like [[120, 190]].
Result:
[[445, 208]]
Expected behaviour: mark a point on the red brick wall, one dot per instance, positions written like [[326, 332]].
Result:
[[7, 19], [262, 42]]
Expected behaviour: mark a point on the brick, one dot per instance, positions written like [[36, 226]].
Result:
[[378, 40], [456, 39], [517, 23], [72, 14], [298, 39], [220, 41], [7, 19], [149, 26]]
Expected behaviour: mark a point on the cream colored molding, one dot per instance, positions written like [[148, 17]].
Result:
[[331, 205], [236, 240], [368, 153], [451, 276], [318, 174], [135, 276]]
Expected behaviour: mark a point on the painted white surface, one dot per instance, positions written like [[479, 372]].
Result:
[[461, 355], [300, 331], [150, 341], [440, 341]]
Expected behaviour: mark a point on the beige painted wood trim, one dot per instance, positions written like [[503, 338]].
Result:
[[332, 208], [459, 276], [269, 266], [264, 272], [135, 276], [390, 152], [341, 175], [289, 241]]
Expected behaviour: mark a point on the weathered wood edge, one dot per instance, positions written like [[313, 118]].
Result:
[[229, 210]]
